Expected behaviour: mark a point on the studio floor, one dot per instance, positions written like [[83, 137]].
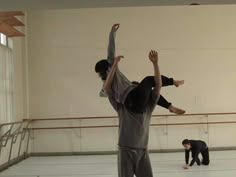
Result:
[[223, 164]]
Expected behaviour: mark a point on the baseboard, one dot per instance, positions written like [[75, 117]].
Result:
[[38, 154], [13, 161]]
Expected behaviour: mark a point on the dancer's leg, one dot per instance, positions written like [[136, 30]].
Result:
[[205, 156], [166, 81], [126, 163], [170, 81], [163, 102], [139, 96], [143, 166]]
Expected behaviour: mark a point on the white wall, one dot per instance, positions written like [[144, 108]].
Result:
[[20, 76], [195, 43], [20, 91]]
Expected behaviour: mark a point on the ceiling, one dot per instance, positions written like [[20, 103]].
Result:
[[8, 22], [65, 4]]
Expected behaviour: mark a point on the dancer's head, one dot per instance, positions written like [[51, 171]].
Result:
[[186, 143], [101, 68]]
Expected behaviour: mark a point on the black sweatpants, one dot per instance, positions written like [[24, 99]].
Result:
[[138, 98], [134, 162], [165, 82], [205, 157]]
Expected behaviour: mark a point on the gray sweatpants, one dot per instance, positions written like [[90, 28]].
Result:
[[134, 162]]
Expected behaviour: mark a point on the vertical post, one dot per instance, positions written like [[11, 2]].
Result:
[[27, 146], [21, 139], [208, 130], [1, 140], [80, 136], [1, 146], [9, 158], [12, 139], [7, 134]]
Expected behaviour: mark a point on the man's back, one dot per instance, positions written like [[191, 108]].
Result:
[[198, 145], [134, 127]]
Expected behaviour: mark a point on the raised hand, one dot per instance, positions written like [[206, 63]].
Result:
[[153, 56], [116, 26], [118, 58]]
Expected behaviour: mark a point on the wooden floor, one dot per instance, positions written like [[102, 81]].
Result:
[[223, 164]]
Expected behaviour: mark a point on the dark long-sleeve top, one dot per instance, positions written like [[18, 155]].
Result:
[[197, 147]]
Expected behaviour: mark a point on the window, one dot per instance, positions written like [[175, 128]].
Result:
[[6, 85], [3, 38]]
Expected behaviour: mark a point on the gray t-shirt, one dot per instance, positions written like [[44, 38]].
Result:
[[133, 127], [121, 87]]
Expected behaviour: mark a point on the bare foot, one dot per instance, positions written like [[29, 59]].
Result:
[[176, 110], [177, 83]]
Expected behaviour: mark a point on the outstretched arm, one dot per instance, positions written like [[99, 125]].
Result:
[[186, 166], [186, 156], [195, 157], [111, 45], [153, 56], [110, 76]]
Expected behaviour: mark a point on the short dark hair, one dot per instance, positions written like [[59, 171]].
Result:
[[185, 141], [101, 67], [135, 82]]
